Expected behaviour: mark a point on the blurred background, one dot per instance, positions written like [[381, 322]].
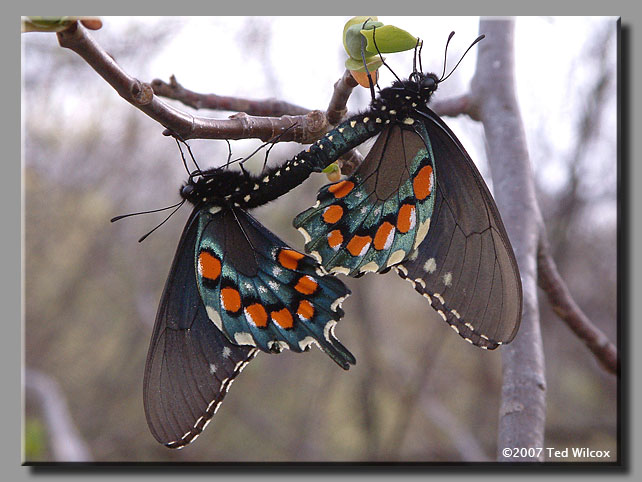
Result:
[[418, 392]]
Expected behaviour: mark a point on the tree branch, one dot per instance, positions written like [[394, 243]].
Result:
[[267, 107], [565, 307], [335, 113], [308, 128], [523, 406], [455, 106], [337, 108], [251, 122]]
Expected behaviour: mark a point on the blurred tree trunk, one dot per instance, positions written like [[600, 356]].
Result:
[[65, 442], [523, 406]]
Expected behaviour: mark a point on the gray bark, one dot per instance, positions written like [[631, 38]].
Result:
[[523, 406]]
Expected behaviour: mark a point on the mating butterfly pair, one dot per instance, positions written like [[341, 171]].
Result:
[[416, 204]]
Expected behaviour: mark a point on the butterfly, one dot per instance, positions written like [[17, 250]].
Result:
[[418, 204], [234, 289]]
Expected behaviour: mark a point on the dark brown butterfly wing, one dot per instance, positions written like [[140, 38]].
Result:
[[190, 363], [465, 266]]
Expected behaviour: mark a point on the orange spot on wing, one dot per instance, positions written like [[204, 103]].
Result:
[[406, 218], [306, 285], [341, 189], [335, 238], [283, 318], [422, 183], [332, 214], [358, 245], [257, 314], [209, 266], [288, 258], [305, 310], [230, 300], [384, 233]]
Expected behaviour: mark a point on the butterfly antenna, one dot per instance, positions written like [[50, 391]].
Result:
[[122, 216], [178, 206], [374, 41], [446, 55], [478, 39], [421, 46]]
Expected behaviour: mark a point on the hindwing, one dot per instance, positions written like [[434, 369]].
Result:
[[465, 266], [260, 292], [374, 219]]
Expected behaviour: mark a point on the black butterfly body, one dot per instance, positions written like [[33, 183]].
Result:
[[234, 288], [418, 204]]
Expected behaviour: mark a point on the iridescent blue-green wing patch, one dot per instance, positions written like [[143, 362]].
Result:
[[190, 363], [465, 266], [260, 292], [378, 216]]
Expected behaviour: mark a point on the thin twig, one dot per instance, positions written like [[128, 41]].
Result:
[[565, 307], [266, 107]]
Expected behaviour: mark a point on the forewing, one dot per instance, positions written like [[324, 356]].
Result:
[[466, 266], [190, 363]]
